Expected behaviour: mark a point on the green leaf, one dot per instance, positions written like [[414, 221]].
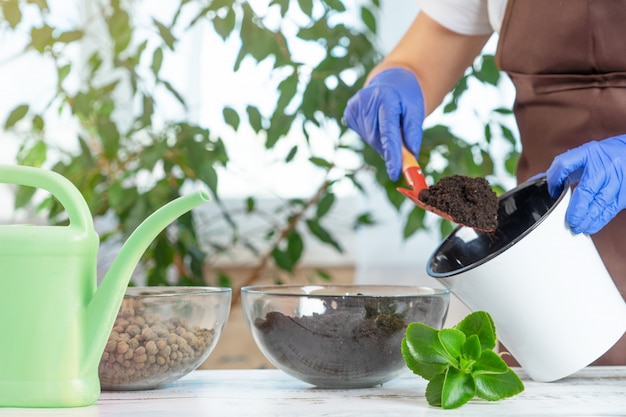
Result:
[[255, 118], [36, 155], [295, 245], [336, 5], [166, 34], [153, 153], [70, 36], [320, 162], [174, 92], [23, 196], [322, 234], [364, 219], [424, 345], [503, 110], [223, 280], [292, 154], [450, 107], [156, 278], [85, 152], [471, 349], [324, 205], [16, 115], [312, 99], [38, 123], [489, 72], [225, 26], [120, 29], [331, 63], [259, 42], [219, 4], [369, 19], [109, 135], [288, 258], [511, 163], [147, 110], [488, 132], [306, 6], [452, 340], [135, 58], [458, 388], [118, 197], [427, 371], [458, 90], [283, 4], [11, 12], [250, 204], [231, 117], [282, 260], [508, 134], [493, 387], [280, 124], [287, 89], [208, 175], [481, 324], [434, 389], [446, 227], [490, 363], [324, 275], [94, 63], [157, 61], [63, 72], [41, 38], [414, 222]]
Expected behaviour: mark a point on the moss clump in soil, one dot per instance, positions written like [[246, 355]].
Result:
[[469, 201]]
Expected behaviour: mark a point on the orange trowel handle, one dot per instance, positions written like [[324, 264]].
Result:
[[412, 171]]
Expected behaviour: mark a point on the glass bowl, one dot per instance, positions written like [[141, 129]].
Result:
[[161, 334], [339, 336]]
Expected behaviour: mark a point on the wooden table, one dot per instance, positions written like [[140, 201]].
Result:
[[595, 391]]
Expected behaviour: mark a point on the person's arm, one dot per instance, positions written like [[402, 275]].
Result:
[[408, 85], [436, 55]]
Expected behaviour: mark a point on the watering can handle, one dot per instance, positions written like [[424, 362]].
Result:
[[59, 186]]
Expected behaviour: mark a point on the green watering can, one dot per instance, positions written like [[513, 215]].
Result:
[[55, 319]]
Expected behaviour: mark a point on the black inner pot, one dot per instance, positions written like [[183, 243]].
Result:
[[520, 210]]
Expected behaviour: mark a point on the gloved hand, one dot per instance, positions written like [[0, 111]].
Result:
[[387, 111], [599, 168]]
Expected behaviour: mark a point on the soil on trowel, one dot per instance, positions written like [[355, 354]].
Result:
[[469, 201]]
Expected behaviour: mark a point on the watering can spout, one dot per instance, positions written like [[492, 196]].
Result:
[[105, 304]]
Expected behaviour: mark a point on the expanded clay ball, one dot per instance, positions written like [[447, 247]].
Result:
[[143, 348]]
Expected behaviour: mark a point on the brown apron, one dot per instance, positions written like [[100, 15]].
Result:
[[567, 60]]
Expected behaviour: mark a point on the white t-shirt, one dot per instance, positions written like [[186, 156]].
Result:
[[468, 17]]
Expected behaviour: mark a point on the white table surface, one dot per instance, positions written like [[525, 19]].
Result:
[[595, 391]]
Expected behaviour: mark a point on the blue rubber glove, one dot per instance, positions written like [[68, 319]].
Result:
[[386, 111], [599, 168]]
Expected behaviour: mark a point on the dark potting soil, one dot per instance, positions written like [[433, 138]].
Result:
[[341, 343], [470, 201]]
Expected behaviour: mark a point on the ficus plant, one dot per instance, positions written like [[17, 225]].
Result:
[[130, 158]]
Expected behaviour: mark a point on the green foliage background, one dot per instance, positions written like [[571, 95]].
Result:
[[180, 153]]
